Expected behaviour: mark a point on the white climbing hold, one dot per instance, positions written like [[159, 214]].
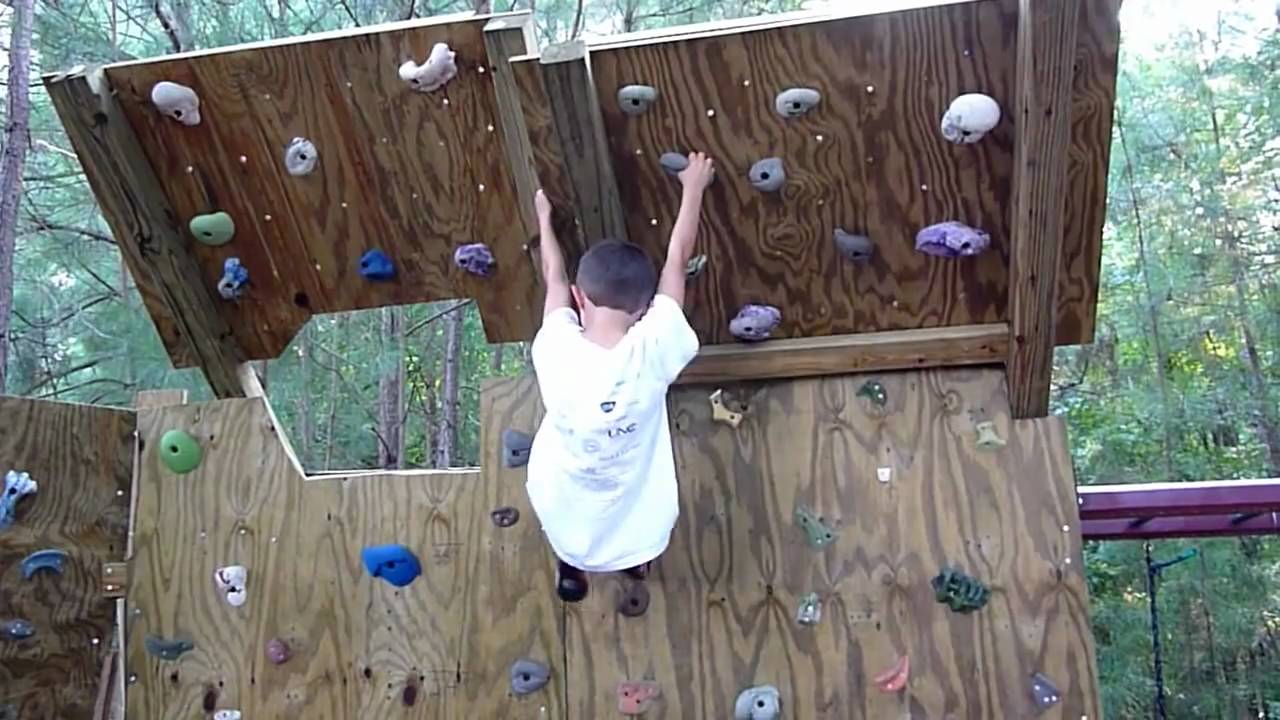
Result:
[[762, 702], [227, 715], [635, 99], [795, 102], [231, 582], [300, 156], [969, 118], [177, 101], [434, 73]]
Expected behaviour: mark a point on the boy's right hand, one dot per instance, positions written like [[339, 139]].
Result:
[[700, 173], [542, 205]]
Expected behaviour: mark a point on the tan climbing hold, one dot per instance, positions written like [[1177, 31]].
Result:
[[988, 439], [722, 414]]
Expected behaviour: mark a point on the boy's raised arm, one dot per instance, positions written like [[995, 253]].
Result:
[[695, 178], [553, 270]]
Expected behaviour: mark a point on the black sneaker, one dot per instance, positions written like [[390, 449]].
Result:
[[571, 583]]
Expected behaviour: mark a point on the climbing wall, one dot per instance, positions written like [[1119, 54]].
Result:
[[81, 458]]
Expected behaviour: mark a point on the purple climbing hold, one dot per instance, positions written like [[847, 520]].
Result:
[[278, 651], [952, 239], [475, 259], [755, 322]]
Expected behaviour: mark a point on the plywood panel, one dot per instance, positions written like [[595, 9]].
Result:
[[82, 459], [412, 174]]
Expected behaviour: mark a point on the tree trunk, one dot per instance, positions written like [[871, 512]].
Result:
[[12, 162], [304, 397], [391, 391], [495, 362], [447, 438]]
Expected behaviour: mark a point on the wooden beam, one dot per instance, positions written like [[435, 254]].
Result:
[[1046, 53], [506, 38], [143, 222], [575, 110], [839, 354], [115, 579]]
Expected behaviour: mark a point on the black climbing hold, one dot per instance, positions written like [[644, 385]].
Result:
[[234, 279], [515, 448], [210, 702], [528, 676], [16, 629], [634, 600], [167, 649], [1044, 692], [960, 592], [874, 392], [394, 563], [855, 248], [49, 560], [375, 265], [475, 258], [505, 517]]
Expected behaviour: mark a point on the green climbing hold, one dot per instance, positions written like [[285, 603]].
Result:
[[213, 229], [180, 452], [958, 591], [875, 392], [818, 533]]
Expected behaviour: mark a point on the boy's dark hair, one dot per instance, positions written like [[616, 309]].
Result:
[[617, 274]]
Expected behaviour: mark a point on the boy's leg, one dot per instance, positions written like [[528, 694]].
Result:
[[571, 583]]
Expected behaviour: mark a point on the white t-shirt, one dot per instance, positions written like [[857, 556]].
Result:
[[601, 473]]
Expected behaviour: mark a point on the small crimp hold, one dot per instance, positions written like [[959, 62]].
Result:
[[375, 265], [528, 676], [213, 229], [16, 629], [234, 279], [895, 678], [874, 392], [952, 239], [636, 697], [49, 560], [227, 715], [515, 448], [696, 265], [505, 517], [722, 414], [17, 485], [755, 322], [673, 163], [795, 102], [300, 157], [817, 532], [278, 651], [634, 600], [1044, 692], [475, 259], [167, 649], [810, 610], [635, 99], [988, 439], [231, 581], [179, 451], [177, 101], [758, 703], [960, 592], [969, 118], [855, 248], [432, 75], [394, 563], [768, 175]]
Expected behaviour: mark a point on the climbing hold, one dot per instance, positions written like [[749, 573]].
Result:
[[895, 678], [234, 278], [231, 581], [673, 163], [505, 517], [636, 697], [209, 702], [50, 560], [958, 591], [227, 715], [434, 73], [970, 117], [1044, 692], [768, 175], [167, 649], [375, 265], [856, 248], [409, 695], [634, 600], [758, 703], [795, 102], [635, 99], [755, 322], [696, 265], [528, 676], [179, 451], [278, 651], [952, 239], [720, 413], [515, 448], [213, 229], [16, 629], [475, 259], [818, 533], [300, 156], [810, 610], [17, 485], [987, 437], [874, 392], [177, 101], [8, 712], [394, 563]]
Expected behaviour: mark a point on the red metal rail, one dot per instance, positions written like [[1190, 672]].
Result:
[[1172, 510]]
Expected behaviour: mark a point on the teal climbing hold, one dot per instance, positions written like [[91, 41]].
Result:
[[817, 532], [960, 592], [180, 452], [875, 392], [167, 649], [213, 229]]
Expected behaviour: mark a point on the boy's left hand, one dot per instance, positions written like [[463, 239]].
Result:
[[542, 205], [700, 173]]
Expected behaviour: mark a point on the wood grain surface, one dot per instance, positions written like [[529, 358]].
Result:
[[82, 458]]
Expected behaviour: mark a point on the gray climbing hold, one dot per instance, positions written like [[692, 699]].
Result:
[[635, 99], [431, 75], [50, 560], [855, 248], [952, 239], [795, 102], [17, 485], [1044, 692], [810, 610], [768, 175], [167, 649], [177, 101], [817, 532], [515, 448], [528, 676], [673, 162], [300, 156], [16, 629], [761, 702], [634, 600], [755, 322]]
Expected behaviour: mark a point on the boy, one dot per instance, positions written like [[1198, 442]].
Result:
[[601, 473]]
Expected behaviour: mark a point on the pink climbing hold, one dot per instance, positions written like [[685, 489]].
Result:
[[635, 698], [755, 322], [278, 651]]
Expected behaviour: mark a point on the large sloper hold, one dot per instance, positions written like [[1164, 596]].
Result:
[[794, 102], [969, 118], [529, 676], [762, 702], [394, 563], [768, 175], [755, 322], [952, 239], [177, 101], [635, 99], [515, 448]]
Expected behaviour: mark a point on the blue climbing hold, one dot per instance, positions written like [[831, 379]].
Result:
[[234, 277], [16, 486], [16, 629], [394, 563], [375, 265], [50, 560]]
